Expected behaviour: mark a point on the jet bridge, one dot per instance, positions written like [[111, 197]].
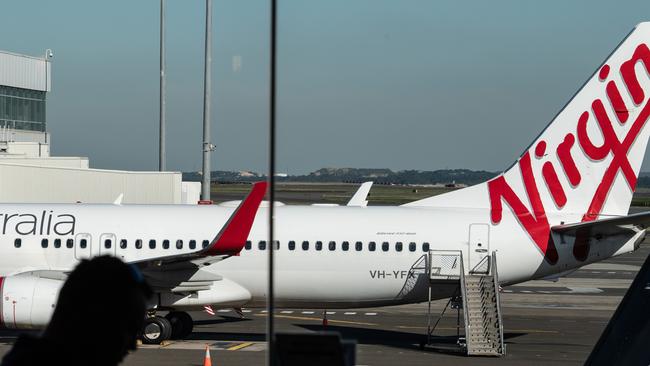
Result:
[[477, 295]]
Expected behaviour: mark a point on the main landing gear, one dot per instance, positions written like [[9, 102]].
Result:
[[175, 325]]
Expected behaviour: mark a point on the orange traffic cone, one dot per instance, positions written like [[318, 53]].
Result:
[[207, 361]]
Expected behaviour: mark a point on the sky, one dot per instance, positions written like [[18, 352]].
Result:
[[412, 84]]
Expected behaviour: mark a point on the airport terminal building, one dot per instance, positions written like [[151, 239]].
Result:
[[30, 174]]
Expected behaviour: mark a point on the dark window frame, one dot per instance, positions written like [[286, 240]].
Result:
[[358, 246], [372, 246], [345, 246]]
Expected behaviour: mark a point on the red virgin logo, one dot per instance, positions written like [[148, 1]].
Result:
[[535, 222]]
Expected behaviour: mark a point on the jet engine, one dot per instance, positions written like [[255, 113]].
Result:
[[28, 300]]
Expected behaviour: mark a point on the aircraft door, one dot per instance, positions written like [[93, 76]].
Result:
[[479, 248], [107, 244], [82, 246]]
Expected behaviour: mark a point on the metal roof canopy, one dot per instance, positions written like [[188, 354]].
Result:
[[26, 72]]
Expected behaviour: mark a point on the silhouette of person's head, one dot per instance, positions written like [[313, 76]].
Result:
[[101, 307], [98, 316]]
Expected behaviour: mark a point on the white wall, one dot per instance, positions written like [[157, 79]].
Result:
[[39, 184]]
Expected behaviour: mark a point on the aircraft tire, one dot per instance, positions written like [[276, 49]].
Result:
[[155, 330], [181, 323]]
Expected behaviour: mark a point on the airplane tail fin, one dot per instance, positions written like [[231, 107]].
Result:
[[587, 160]]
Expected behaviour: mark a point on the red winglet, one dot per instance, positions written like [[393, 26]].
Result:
[[232, 237]]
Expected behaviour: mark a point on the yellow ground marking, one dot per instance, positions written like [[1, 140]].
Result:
[[240, 346], [318, 319], [507, 330]]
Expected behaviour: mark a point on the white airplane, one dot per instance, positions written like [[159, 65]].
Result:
[[563, 204]]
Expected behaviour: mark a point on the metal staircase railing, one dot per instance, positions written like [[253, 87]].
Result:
[[479, 290]]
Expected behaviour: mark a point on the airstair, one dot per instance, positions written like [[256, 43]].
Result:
[[476, 294]]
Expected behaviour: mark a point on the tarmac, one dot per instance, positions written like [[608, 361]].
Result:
[[545, 323]]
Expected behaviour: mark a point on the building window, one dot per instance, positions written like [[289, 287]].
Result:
[[319, 245], [152, 244], [69, 243], [292, 245], [43, 243], [425, 247], [412, 246], [18, 242], [123, 243], [372, 246], [192, 244], [398, 246], [165, 244], [305, 245], [332, 245], [384, 246], [83, 243], [179, 244], [248, 244], [261, 245], [57, 243], [358, 246], [206, 243], [108, 243], [345, 246], [138, 244]]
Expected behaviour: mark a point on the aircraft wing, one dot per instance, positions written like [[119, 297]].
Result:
[[606, 227], [360, 197], [228, 242]]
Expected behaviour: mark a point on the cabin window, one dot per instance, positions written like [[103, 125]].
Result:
[[358, 246], [138, 244], [69, 243], [123, 243], [276, 244], [248, 244], [372, 246], [83, 243], [262, 245], [165, 244], [192, 244], [345, 246], [152, 244], [332, 245], [384, 246], [44, 243], [425, 247], [292, 245], [179, 244], [18, 242], [108, 243], [57, 243], [206, 243], [305, 245], [412, 246], [319, 245], [398, 246]]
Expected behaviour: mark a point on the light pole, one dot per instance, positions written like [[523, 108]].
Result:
[[208, 147], [162, 163]]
